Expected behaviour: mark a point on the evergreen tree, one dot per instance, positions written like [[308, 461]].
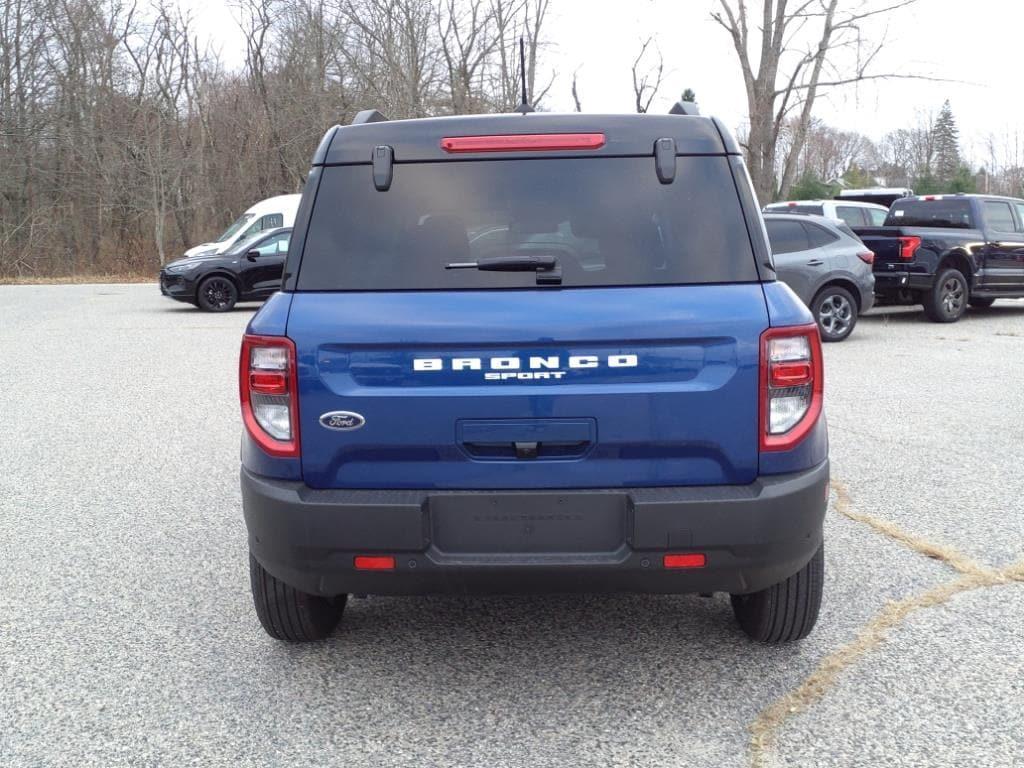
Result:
[[689, 95], [964, 181], [810, 187], [857, 178], [946, 140]]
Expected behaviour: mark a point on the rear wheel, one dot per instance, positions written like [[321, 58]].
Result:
[[835, 312], [786, 611], [947, 300], [981, 303], [217, 294], [289, 615]]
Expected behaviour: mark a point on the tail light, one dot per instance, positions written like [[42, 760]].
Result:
[[868, 257], [792, 385], [269, 393], [908, 247], [531, 142]]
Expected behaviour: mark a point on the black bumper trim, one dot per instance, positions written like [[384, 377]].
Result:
[[753, 535], [897, 280]]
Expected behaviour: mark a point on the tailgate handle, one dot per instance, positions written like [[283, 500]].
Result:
[[526, 450], [526, 438]]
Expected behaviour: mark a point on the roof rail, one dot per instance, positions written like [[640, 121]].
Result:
[[368, 116], [684, 108]]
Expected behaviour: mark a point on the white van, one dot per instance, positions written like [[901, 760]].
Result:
[[267, 214], [853, 212]]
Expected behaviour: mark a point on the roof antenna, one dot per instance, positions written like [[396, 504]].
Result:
[[524, 107]]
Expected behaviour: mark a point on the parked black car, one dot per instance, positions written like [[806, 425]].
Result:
[[251, 271], [947, 251]]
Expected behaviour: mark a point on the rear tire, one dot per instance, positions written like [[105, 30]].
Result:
[[786, 611], [981, 303], [289, 615], [835, 312], [946, 302]]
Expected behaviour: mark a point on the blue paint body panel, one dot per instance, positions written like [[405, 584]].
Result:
[[684, 414], [272, 318], [784, 306]]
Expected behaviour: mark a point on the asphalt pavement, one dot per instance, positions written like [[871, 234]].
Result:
[[127, 634]]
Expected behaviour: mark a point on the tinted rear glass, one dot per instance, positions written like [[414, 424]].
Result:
[[955, 214], [607, 221], [819, 236], [786, 236]]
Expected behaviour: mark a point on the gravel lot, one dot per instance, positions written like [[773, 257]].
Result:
[[127, 635]]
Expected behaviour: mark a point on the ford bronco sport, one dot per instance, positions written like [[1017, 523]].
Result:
[[533, 352]]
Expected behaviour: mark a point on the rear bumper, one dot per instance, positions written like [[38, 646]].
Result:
[[536, 541], [867, 296]]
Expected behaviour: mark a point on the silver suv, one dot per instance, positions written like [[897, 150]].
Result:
[[826, 265]]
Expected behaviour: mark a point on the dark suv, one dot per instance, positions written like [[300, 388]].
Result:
[[249, 271], [533, 352]]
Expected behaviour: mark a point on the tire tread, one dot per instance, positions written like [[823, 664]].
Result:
[[787, 611], [288, 614]]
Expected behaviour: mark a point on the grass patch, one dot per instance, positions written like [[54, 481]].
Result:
[[130, 277], [765, 728]]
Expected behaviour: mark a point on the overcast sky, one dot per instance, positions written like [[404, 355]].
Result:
[[976, 45]]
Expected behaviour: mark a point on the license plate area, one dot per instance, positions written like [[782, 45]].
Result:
[[528, 523]]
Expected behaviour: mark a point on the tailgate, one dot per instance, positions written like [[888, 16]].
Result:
[[883, 241], [576, 388]]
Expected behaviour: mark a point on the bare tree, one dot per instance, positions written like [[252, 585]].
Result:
[[788, 54], [123, 139], [471, 32], [575, 93], [646, 77], [827, 151], [534, 13]]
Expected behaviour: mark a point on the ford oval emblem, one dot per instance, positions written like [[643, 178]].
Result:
[[342, 420]]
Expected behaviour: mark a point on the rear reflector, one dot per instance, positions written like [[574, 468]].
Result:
[[688, 560], [791, 374], [532, 142], [375, 563], [268, 382], [868, 257]]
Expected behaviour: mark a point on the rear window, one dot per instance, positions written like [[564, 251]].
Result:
[[952, 214], [819, 236], [607, 221]]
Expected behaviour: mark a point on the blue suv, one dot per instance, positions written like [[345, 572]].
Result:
[[532, 352]]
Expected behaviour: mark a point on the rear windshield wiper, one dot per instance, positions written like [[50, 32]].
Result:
[[546, 267], [508, 264]]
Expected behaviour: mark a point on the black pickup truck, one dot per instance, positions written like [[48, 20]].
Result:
[[945, 251]]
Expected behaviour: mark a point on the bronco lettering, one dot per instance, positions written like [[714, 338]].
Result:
[[533, 363]]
